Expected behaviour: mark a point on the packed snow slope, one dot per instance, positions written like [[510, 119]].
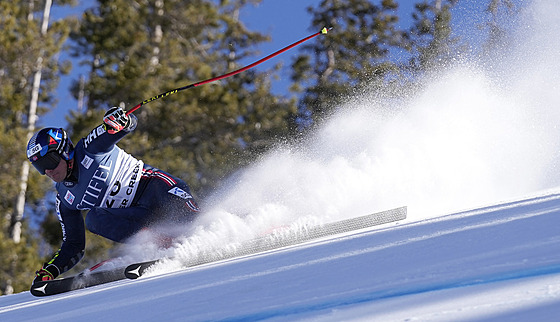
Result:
[[486, 131], [500, 262]]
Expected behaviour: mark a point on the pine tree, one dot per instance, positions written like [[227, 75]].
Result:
[[433, 45], [501, 18], [23, 49], [138, 50], [355, 55]]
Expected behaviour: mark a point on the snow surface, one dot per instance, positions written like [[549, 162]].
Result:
[[495, 263], [474, 155]]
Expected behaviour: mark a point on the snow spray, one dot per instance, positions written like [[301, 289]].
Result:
[[485, 130]]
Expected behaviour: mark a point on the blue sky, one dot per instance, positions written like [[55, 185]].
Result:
[[285, 21]]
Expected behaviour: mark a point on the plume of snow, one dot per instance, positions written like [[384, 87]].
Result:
[[475, 134]]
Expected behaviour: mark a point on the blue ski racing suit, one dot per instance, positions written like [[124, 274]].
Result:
[[123, 195]]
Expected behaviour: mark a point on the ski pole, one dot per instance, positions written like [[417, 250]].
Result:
[[173, 91]]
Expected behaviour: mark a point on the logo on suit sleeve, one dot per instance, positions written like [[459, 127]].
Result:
[[187, 196], [69, 197], [94, 134], [87, 161], [180, 193]]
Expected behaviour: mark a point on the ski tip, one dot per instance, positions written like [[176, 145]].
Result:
[[325, 30], [132, 272], [39, 289]]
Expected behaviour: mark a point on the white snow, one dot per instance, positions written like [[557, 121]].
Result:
[[495, 263], [474, 156]]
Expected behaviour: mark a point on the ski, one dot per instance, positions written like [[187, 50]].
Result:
[[274, 241], [265, 243], [133, 271], [85, 279]]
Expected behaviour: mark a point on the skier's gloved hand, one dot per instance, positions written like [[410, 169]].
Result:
[[47, 273], [115, 120]]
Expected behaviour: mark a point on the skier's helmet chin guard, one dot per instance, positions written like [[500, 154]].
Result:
[[47, 147]]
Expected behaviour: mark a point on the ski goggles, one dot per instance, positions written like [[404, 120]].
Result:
[[48, 162]]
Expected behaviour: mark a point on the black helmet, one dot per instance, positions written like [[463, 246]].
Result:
[[47, 147]]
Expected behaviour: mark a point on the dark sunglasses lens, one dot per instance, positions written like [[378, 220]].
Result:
[[48, 162]]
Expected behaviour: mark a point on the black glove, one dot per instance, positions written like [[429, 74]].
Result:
[[47, 273], [115, 120]]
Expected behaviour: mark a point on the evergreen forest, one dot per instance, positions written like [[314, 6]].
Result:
[[135, 49]]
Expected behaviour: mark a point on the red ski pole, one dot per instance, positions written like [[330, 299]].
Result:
[[173, 91]]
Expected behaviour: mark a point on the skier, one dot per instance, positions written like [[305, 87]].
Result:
[[123, 195]]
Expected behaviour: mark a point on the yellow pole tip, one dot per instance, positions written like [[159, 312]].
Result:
[[324, 30]]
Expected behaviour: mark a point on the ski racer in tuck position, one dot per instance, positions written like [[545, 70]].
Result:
[[123, 195]]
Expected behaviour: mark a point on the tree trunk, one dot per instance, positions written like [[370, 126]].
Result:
[[17, 217]]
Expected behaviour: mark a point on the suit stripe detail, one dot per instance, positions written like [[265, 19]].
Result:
[[160, 175]]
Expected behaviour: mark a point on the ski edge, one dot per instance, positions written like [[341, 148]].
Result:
[[79, 281], [136, 270]]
